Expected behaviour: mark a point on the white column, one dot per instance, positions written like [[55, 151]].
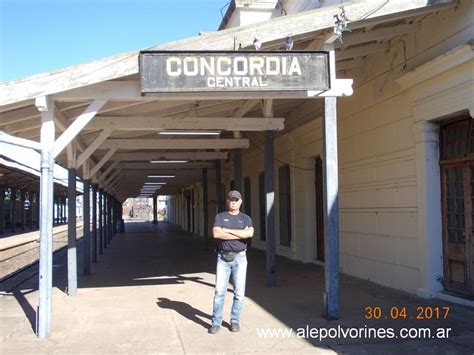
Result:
[[430, 234], [43, 326]]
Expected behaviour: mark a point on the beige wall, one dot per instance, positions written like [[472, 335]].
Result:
[[379, 238], [384, 221]]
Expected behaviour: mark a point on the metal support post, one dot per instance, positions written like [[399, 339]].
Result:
[[155, 214], [219, 186], [13, 209], [109, 217], [30, 210], [105, 220], [205, 208], [37, 210], [86, 228], [331, 210], [270, 212], [114, 216], [63, 211], [99, 228], [95, 239], [71, 234], [22, 210], [2, 210], [43, 321], [238, 170], [58, 211]]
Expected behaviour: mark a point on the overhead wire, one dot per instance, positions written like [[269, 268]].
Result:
[[275, 159]]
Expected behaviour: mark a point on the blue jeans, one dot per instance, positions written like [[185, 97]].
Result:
[[237, 269]]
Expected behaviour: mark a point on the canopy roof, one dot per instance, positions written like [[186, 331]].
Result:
[[122, 137]]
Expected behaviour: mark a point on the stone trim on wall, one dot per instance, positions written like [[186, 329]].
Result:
[[431, 102]]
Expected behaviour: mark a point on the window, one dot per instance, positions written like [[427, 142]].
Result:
[[457, 187], [457, 139]]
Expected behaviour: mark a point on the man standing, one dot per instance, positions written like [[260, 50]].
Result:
[[232, 230]]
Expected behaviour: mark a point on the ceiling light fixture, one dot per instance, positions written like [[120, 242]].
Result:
[[190, 133], [160, 176], [168, 161]]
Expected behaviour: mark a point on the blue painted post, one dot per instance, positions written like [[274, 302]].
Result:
[[107, 215], [238, 170], [30, 210], [95, 239], [205, 208], [2, 210], [86, 228], [71, 235], [104, 219], [331, 210], [155, 212], [13, 209], [22, 209], [219, 186], [270, 211], [99, 228]]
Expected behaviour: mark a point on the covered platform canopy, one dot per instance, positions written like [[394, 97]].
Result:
[[16, 175], [109, 89], [96, 118]]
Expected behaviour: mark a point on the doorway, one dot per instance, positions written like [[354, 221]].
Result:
[[457, 188]]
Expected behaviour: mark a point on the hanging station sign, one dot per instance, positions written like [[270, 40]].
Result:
[[195, 71]]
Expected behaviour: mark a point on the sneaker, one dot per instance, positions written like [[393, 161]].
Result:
[[234, 327], [213, 329]]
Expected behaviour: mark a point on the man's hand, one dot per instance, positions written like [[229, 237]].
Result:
[[223, 233], [241, 233]]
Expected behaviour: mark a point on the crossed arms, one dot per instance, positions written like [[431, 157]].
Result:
[[232, 234]]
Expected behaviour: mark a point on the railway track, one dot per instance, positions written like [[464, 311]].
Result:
[[22, 257]]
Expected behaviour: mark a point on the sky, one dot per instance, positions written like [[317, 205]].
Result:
[[43, 35]]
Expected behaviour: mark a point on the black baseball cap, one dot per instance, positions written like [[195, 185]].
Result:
[[234, 194]]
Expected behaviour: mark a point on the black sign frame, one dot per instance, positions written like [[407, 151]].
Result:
[[310, 72]]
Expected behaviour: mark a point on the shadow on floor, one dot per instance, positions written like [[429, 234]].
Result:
[[185, 310], [148, 254]]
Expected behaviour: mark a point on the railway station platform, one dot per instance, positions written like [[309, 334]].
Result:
[[152, 289]]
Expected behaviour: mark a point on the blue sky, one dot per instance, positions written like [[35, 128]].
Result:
[[44, 35]]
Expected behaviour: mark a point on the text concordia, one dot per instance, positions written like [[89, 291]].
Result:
[[226, 71]]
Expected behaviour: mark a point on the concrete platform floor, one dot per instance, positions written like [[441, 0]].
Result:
[[152, 290]]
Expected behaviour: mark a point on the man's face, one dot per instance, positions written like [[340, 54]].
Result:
[[234, 203]]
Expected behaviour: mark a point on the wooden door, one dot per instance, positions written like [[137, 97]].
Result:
[[457, 185]]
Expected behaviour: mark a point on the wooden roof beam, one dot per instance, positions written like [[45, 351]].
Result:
[[75, 128], [146, 123], [376, 35], [190, 166], [147, 156], [130, 90], [175, 143], [91, 148], [362, 51], [102, 161]]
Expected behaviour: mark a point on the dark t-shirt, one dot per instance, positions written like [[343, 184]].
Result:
[[230, 221]]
